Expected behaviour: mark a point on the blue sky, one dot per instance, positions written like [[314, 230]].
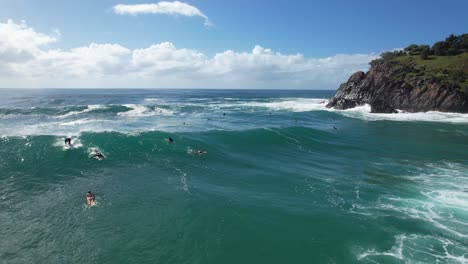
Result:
[[317, 30]]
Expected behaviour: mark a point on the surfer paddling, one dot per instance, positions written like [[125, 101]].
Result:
[[96, 154], [90, 198], [199, 152]]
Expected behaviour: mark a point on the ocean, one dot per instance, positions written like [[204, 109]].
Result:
[[284, 180]]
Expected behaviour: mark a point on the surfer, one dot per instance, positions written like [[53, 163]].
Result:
[[68, 141], [90, 198], [170, 140], [96, 154], [199, 152]]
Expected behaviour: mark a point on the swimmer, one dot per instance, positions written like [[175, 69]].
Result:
[[68, 141], [96, 154], [90, 198], [199, 152]]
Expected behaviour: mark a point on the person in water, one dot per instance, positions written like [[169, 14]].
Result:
[[68, 141], [90, 198], [170, 140], [199, 152], [96, 154]]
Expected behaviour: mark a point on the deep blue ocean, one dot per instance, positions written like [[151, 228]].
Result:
[[284, 180]]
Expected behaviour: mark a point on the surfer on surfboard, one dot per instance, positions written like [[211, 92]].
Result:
[[68, 142], [90, 198]]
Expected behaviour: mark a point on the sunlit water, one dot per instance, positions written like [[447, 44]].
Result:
[[285, 180]]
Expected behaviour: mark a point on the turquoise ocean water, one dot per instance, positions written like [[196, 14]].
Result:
[[285, 180]]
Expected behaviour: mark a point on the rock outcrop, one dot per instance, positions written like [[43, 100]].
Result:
[[388, 86]]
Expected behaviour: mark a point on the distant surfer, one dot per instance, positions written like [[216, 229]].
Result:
[[224, 114], [170, 140], [68, 142], [199, 152], [334, 127], [90, 198], [96, 154]]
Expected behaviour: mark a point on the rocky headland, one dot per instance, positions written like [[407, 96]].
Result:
[[417, 79]]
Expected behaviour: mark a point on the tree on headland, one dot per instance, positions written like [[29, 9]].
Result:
[[425, 53], [440, 48], [411, 49], [452, 45], [389, 55], [414, 49]]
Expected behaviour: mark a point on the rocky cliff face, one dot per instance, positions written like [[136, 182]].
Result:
[[389, 86]]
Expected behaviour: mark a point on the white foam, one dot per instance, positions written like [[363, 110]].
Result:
[[360, 112], [363, 112], [142, 111], [396, 251], [76, 143], [442, 205], [89, 108], [429, 212], [420, 249], [153, 99], [450, 198], [78, 122], [288, 104]]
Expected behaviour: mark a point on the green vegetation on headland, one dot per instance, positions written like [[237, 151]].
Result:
[[446, 62]]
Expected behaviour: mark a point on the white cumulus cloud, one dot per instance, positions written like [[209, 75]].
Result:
[[163, 7], [18, 42], [27, 61], [166, 57]]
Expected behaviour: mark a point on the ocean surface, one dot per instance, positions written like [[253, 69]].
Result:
[[285, 179]]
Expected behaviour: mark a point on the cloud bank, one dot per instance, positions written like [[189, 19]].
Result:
[[169, 8], [26, 60]]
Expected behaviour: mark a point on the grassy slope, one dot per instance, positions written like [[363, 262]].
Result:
[[451, 70]]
